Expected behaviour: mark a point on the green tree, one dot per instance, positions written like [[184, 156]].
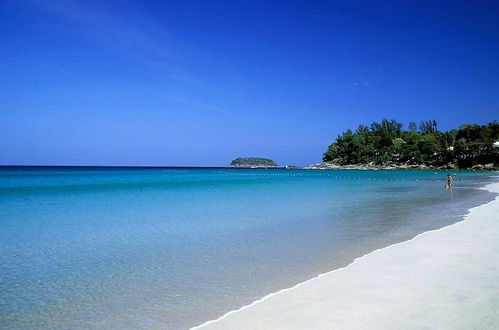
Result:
[[428, 127], [385, 141]]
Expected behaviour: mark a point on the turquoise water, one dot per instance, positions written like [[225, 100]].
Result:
[[125, 248]]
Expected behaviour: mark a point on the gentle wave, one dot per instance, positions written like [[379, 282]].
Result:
[[493, 187]]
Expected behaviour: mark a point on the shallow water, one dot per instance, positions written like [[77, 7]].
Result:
[[172, 248]]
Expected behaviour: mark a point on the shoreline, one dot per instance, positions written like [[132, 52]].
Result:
[[319, 166], [288, 308], [393, 166]]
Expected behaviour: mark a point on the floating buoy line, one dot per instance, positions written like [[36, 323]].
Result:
[[343, 177]]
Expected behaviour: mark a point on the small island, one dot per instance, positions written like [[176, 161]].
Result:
[[253, 162]]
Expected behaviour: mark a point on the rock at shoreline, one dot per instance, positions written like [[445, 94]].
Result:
[[485, 167], [392, 166]]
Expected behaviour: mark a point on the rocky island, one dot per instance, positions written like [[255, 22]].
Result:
[[253, 162]]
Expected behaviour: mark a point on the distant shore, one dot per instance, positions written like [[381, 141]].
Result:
[[445, 278], [371, 166], [393, 166]]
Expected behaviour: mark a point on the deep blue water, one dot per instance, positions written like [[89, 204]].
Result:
[[137, 248]]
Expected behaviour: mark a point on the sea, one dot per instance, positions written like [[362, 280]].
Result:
[[171, 248]]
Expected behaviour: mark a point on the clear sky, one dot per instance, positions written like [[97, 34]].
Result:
[[202, 82]]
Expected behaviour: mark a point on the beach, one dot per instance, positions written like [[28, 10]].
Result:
[[154, 248], [249, 165], [441, 279]]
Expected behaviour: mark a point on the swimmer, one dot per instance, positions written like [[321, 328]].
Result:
[[449, 181]]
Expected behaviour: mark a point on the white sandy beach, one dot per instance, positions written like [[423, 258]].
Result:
[[442, 279]]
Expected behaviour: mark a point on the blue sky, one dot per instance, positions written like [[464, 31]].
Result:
[[202, 82]]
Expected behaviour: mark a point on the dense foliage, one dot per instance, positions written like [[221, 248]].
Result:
[[387, 142], [252, 161]]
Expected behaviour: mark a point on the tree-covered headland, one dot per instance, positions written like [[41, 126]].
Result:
[[387, 142]]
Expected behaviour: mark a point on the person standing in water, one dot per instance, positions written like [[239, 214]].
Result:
[[449, 181]]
